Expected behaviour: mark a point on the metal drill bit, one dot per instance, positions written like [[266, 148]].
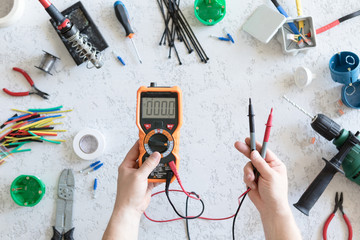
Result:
[[298, 107]]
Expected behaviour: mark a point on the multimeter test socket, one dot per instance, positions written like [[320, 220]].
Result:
[[159, 118]]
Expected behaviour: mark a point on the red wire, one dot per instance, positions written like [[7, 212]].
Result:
[[173, 168], [204, 218]]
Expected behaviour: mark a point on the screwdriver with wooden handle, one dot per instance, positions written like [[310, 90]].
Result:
[[123, 17]]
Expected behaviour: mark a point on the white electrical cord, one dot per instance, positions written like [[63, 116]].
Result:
[[15, 13]]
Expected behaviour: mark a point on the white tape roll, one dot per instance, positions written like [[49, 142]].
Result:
[[89, 144], [15, 13]]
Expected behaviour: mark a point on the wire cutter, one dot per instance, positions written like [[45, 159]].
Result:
[[34, 89], [64, 207], [338, 205]]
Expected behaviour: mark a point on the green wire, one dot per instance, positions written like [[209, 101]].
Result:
[[17, 143], [51, 141], [45, 109], [44, 139]]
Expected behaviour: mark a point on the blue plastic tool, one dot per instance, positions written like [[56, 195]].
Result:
[[95, 187], [96, 168], [229, 36], [90, 166], [119, 58], [221, 38]]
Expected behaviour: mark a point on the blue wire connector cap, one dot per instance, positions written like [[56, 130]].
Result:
[[95, 187], [96, 168]]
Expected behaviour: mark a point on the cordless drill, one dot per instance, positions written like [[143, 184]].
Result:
[[348, 157]]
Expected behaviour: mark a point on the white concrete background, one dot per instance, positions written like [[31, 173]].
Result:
[[215, 101]]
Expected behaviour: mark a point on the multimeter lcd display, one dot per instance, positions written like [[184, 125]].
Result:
[[158, 108]]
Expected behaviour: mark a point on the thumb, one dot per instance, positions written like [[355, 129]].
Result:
[[150, 164], [260, 164]]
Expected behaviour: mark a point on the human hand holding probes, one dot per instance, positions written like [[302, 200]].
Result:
[[133, 195], [269, 194]]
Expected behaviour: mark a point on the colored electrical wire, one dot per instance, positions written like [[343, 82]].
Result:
[[282, 11], [237, 212], [45, 109], [177, 219], [27, 128], [336, 22], [168, 180], [174, 170]]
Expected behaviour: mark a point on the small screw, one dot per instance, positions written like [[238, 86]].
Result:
[[27, 178], [40, 192], [25, 204]]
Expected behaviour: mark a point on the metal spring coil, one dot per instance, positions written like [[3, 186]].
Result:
[[86, 50]]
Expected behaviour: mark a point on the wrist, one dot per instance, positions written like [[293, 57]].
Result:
[[280, 225], [283, 212], [126, 213]]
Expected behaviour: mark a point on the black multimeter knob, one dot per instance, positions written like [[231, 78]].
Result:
[[158, 143]]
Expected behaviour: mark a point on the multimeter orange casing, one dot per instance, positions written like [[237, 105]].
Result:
[[175, 133]]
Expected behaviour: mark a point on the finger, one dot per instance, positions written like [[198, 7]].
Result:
[[270, 156], [243, 148], [255, 197], [260, 164], [249, 175], [150, 164], [132, 156]]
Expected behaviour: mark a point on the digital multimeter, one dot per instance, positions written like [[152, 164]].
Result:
[[159, 118]]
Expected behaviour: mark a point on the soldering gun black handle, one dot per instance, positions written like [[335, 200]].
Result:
[[316, 188]]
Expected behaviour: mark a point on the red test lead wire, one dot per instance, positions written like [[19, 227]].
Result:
[[204, 218], [173, 168]]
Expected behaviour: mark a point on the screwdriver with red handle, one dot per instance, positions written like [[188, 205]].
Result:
[[123, 17]]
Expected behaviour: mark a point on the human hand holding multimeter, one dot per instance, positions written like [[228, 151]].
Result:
[[159, 118]]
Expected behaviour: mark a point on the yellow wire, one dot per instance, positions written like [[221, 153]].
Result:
[[23, 111], [57, 140], [54, 112], [40, 132], [53, 130], [12, 138], [300, 13]]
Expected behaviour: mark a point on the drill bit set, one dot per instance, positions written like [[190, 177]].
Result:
[[36, 125], [177, 27]]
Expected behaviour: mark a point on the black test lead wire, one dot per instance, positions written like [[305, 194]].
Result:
[[168, 180], [237, 212], [336, 22]]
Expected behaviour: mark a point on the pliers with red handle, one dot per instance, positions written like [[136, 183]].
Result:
[[34, 89], [338, 205]]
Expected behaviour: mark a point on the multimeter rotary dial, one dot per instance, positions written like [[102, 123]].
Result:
[[159, 140]]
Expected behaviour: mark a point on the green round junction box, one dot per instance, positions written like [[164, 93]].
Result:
[[27, 190], [210, 12]]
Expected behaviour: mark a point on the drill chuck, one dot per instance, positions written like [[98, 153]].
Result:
[[326, 127]]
